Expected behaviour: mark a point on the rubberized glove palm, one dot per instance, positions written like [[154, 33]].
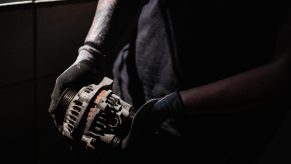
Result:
[[83, 71], [150, 117]]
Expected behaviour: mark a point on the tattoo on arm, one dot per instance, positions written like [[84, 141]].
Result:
[[114, 19], [101, 21]]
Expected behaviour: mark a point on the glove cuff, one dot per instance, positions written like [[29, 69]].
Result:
[[91, 54], [171, 105], [91, 50]]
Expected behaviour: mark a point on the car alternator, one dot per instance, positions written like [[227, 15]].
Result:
[[94, 114]]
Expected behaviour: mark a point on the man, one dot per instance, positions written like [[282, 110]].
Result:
[[198, 73]]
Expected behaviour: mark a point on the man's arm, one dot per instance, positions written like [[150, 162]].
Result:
[[112, 20], [263, 87], [258, 88]]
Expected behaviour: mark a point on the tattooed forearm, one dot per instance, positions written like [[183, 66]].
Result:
[[101, 21], [110, 22]]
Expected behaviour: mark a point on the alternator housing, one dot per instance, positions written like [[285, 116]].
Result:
[[95, 114]]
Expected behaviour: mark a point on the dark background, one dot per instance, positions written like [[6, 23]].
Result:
[[37, 43]]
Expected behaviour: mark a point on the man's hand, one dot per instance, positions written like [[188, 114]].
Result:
[[151, 116], [83, 71]]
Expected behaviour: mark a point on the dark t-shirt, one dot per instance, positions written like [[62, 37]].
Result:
[[222, 38], [150, 56], [184, 44]]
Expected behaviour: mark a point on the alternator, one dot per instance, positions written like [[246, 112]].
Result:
[[95, 114]]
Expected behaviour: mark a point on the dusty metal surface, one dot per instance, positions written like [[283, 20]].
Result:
[[95, 114]]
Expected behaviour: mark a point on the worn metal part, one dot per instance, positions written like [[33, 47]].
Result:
[[94, 114]]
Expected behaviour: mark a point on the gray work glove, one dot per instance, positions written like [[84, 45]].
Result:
[[84, 71], [150, 117]]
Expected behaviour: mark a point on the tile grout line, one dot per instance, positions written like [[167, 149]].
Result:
[[35, 86], [13, 84]]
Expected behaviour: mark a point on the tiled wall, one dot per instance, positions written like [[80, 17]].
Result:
[[37, 42]]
